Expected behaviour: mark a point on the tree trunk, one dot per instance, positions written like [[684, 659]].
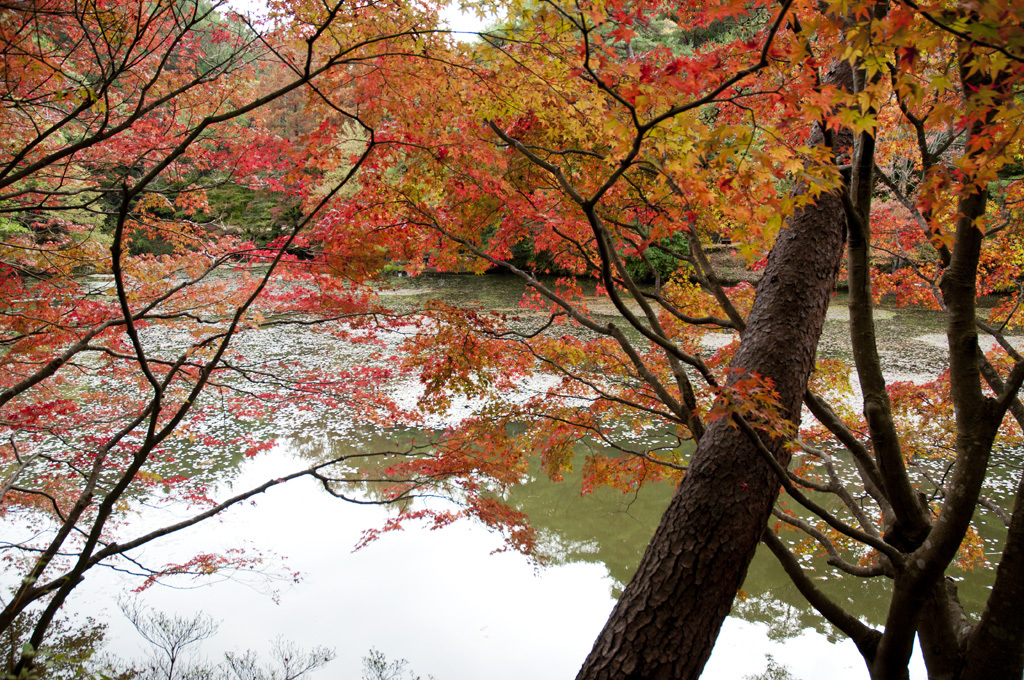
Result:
[[940, 631], [666, 622], [995, 649]]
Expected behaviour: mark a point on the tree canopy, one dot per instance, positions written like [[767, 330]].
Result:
[[871, 145]]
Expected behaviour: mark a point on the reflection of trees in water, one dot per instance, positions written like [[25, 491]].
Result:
[[767, 582], [784, 619], [368, 453], [774, 671], [613, 529], [606, 527]]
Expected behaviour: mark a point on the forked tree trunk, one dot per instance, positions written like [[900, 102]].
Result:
[[666, 622]]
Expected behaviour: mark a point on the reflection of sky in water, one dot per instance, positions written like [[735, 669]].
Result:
[[439, 599]]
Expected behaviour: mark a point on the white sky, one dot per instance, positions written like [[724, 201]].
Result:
[[456, 19], [462, 21]]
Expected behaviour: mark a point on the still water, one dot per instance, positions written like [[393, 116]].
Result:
[[445, 600]]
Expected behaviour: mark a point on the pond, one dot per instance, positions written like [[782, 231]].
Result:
[[445, 600]]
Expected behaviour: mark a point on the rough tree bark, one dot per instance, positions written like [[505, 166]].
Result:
[[666, 622], [996, 646]]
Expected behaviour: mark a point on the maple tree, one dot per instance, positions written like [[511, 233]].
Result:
[[567, 145], [890, 131], [117, 118]]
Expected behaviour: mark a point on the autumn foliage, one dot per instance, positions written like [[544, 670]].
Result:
[[130, 323], [600, 152]]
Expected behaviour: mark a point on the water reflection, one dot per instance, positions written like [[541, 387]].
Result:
[[610, 530], [441, 599]]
